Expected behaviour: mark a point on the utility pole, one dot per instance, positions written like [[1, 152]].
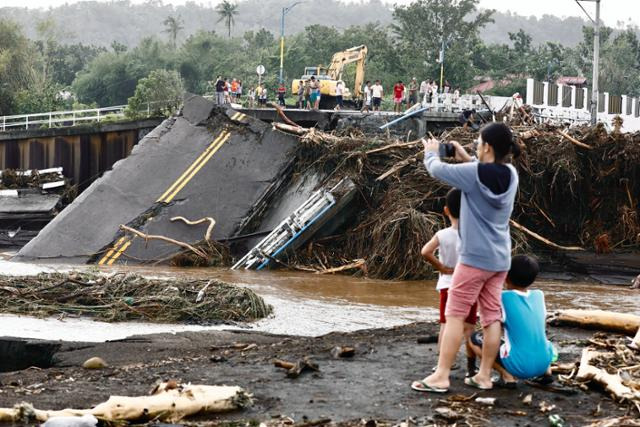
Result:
[[442, 66], [596, 67], [285, 10]]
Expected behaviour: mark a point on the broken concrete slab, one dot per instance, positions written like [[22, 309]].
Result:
[[196, 109], [217, 168]]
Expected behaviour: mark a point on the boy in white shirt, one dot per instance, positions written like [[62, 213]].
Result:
[[377, 93], [446, 241]]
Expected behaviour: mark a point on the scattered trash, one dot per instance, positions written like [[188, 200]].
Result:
[[295, 369], [338, 352], [556, 421], [490, 401], [527, 399]]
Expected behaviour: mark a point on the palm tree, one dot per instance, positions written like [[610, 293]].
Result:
[[173, 26], [227, 10]]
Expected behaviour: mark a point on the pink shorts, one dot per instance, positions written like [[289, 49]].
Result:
[[471, 285]]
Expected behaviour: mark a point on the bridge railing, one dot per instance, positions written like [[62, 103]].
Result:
[[60, 118], [557, 103]]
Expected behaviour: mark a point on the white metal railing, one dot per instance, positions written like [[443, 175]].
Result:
[[60, 118], [67, 118]]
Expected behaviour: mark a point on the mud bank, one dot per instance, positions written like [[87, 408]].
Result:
[[374, 384]]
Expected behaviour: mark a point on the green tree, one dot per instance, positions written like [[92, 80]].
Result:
[[173, 27], [620, 65], [160, 93], [424, 25], [17, 65], [111, 78], [227, 10]]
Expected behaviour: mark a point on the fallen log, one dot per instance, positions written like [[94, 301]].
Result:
[[352, 265], [394, 145], [611, 383], [542, 239], [573, 140], [282, 115], [601, 320], [398, 166], [164, 239], [168, 404], [297, 130]]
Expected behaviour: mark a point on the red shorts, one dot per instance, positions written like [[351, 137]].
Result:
[[472, 318], [476, 286]]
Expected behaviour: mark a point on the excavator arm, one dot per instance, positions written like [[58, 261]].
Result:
[[339, 60]]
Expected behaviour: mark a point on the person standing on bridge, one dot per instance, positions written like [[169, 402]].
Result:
[[234, 90], [281, 93], [398, 95], [366, 98], [413, 92], [252, 97], [377, 91], [424, 89], [220, 90], [301, 87], [339, 92]]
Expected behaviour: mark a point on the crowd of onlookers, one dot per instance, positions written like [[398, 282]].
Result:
[[308, 93]]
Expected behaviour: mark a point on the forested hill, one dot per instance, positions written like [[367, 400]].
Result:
[[100, 23]]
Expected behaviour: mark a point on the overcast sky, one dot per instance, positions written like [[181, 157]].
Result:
[[613, 11]]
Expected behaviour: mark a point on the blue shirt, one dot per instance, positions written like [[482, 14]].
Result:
[[527, 352]]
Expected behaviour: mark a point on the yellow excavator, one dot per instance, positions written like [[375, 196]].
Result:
[[329, 77]]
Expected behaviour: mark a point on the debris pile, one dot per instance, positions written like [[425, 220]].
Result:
[[121, 297], [610, 365], [579, 187], [11, 179], [29, 199]]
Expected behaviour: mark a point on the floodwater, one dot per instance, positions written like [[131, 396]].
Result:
[[304, 303]]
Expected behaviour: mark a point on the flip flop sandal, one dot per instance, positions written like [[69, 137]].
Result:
[[472, 383], [426, 388]]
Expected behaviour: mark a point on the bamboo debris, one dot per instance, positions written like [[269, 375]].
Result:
[[612, 383], [121, 297], [601, 320], [166, 404]]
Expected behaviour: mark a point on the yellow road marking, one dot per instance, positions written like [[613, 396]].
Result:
[[190, 168], [120, 251], [113, 249], [235, 116], [200, 165]]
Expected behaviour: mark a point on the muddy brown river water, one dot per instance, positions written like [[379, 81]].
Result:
[[305, 303]]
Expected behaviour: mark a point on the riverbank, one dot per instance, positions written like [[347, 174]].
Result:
[[372, 385]]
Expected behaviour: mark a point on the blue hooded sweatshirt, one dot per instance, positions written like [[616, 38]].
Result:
[[485, 240]]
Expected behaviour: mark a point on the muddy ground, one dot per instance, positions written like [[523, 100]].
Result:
[[374, 384]]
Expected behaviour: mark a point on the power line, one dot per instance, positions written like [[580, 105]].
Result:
[[585, 11]]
